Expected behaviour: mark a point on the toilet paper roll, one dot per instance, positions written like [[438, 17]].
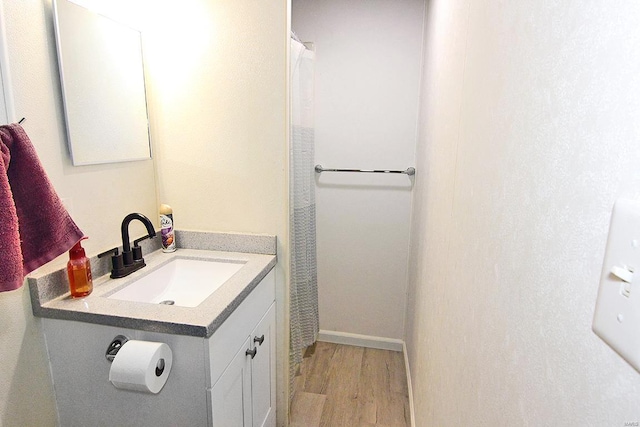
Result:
[[141, 366]]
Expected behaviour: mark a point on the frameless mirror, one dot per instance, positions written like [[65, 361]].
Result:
[[102, 76]]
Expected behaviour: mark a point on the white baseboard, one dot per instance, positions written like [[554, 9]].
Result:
[[412, 413], [361, 340]]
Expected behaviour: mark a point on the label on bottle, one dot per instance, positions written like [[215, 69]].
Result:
[[166, 230]]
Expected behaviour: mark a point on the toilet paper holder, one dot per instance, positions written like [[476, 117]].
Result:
[[115, 346]]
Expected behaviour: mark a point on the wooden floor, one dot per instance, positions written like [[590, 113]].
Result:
[[341, 385]]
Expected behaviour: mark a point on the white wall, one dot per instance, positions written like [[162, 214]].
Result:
[[99, 197], [367, 77], [218, 119], [529, 132], [220, 116], [219, 70]]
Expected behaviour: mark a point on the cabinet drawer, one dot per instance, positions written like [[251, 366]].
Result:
[[227, 340]]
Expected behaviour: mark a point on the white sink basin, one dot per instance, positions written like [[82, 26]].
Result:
[[183, 282]]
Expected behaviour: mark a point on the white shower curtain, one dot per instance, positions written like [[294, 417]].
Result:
[[302, 211]]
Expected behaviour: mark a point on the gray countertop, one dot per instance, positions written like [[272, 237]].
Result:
[[50, 296]]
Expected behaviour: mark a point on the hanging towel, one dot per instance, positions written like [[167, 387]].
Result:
[[34, 225]]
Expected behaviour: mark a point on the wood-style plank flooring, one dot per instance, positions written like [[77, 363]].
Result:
[[342, 385]]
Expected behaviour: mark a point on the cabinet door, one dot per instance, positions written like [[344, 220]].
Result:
[[263, 369], [231, 394]]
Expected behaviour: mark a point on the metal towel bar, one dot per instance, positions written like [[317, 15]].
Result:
[[408, 171]]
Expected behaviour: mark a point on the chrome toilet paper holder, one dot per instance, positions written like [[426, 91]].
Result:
[[115, 346]]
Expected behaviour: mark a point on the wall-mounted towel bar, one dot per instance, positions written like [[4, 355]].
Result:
[[408, 171]]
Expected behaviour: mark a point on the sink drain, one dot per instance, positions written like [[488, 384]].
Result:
[[167, 302]]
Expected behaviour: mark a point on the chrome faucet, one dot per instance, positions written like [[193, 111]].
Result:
[[130, 259]]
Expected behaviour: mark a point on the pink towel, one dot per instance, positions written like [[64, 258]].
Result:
[[34, 225]]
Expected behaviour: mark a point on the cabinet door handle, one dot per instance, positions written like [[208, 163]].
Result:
[[252, 352], [259, 340]]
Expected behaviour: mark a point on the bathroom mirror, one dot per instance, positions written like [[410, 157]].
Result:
[[102, 78]]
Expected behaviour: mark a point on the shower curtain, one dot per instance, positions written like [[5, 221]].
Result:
[[303, 296]]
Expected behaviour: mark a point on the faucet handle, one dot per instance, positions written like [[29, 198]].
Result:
[[137, 253], [137, 250], [110, 251], [117, 262], [135, 242]]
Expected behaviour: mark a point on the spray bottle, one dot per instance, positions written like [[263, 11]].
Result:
[[166, 229]]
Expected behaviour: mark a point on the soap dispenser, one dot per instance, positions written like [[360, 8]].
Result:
[[79, 272]]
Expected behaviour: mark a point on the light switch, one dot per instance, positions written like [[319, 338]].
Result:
[[617, 315], [623, 273]]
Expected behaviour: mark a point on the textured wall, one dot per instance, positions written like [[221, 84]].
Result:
[[99, 197], [367, 77], [529, 132]]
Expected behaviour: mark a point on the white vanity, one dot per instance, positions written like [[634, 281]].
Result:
[[224, 349], [241, 356]]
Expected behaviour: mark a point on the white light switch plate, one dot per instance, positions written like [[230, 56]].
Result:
[[617, 315]]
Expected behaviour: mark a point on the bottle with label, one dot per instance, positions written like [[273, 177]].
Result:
[[166, 229], [79, 272]]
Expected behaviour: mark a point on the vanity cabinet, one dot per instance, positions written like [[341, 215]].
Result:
[[243, 375], [263, 369], [244, 395], [231, 395], [213, 381]]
